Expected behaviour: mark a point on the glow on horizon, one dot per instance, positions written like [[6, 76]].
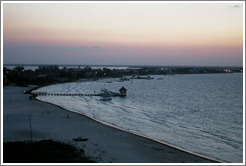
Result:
[[129, 29]]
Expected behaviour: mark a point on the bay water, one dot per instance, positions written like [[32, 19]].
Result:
[[201, 113]]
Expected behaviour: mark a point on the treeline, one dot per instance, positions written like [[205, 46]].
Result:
[[49, 74]]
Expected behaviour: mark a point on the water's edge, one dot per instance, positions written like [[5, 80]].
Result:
[[134, 133]]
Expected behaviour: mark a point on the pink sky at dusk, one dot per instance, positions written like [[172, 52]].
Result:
[[123, 33]]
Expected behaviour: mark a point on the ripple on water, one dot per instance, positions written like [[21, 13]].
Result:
[[200, 113]]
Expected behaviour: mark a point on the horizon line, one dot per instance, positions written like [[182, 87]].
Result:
[[122, 65]]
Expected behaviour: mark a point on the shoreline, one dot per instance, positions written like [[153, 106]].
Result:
[[139, 135], [154, 150]]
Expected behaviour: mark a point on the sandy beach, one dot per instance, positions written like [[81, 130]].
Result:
[[104, 145]]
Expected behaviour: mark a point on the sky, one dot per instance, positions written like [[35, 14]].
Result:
[[193, 34]]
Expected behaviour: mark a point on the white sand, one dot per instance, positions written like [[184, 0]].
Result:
[[105, 144]]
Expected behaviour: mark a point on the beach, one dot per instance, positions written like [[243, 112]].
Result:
[[25, 119]]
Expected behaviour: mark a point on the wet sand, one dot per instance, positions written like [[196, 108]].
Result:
[[25, 120]]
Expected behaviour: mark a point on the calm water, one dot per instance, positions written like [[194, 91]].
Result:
[[199, 113]]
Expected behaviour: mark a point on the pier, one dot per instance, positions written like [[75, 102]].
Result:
[[63, 94], [122, 93]]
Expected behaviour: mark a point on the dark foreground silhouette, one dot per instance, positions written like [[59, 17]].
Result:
[[46, 151]]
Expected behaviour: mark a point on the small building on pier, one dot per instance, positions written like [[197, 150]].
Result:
[[123, 91]]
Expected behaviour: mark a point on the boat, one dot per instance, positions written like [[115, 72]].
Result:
[[143, 77], [106, 98], [80, 139], [105, 95], [123, 79], [149, 78]]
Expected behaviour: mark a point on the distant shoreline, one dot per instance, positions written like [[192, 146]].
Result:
[[50, 74]]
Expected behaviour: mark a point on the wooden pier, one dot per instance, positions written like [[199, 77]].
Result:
[[63, 94], [103, 93]]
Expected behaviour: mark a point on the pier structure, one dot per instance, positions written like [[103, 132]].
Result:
[[63, 94], [111, 94]]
